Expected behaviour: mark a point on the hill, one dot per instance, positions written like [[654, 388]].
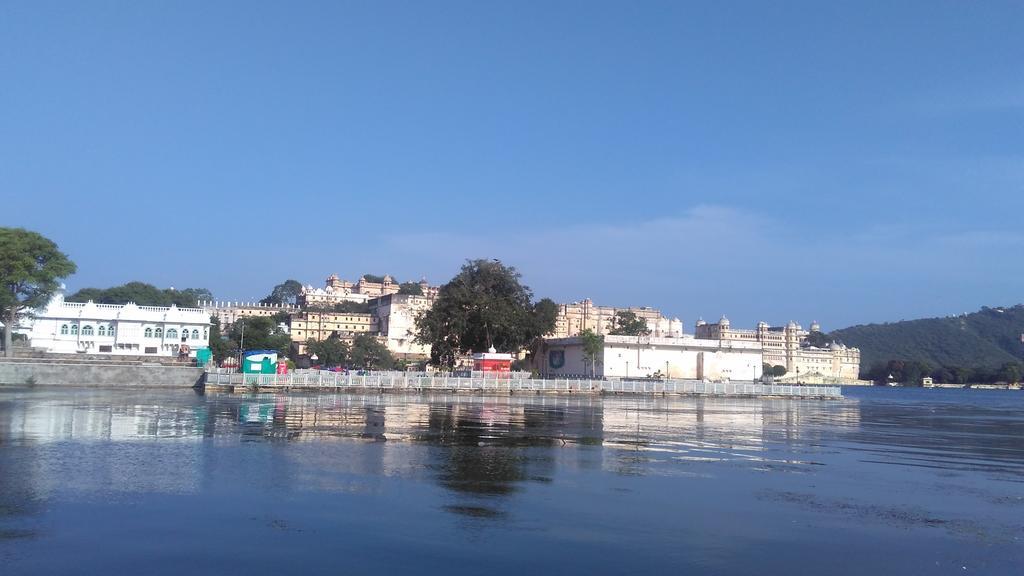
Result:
[[988, 338]]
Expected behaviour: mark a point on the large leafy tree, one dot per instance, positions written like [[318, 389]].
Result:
[[220, 346], [286, 292], [484, 305], [31, 267], [260, 332], [626, 323]]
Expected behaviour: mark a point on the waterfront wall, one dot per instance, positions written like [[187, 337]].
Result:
[[98, 375], [315, 380]]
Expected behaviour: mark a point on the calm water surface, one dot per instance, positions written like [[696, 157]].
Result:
[[154, 482]]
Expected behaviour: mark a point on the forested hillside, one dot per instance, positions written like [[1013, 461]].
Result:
[[987, 340]]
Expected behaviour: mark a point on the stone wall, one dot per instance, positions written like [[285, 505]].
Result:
[[43, 373]]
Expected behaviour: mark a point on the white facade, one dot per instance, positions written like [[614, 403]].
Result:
[[396, 319], [73, 327], [787, 346], [683, 357]]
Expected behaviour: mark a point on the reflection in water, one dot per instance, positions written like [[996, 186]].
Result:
[[588, 464], [481, 443]]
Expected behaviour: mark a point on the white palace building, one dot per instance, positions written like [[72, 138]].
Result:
[[128, 329]]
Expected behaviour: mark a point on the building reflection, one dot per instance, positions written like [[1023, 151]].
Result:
[[481, 450]]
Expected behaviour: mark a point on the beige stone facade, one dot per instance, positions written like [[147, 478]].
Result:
[[576, 317], [336, 291], [396, 315], [787, 346], [319, 326], [228, 312]]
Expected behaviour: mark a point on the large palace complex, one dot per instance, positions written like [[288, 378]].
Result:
[[387, 310]]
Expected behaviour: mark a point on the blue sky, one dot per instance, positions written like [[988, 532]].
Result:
[[845, 162]]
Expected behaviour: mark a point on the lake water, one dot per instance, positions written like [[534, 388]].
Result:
[[887, 481]]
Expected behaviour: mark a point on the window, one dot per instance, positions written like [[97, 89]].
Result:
[[184, 334], [74, 329], [101, 331], [110, 331], [64, 329], [159, 332], [150, 349], [148, 332], [106, 348], [87, 330], [195, 334], [205, 334], [172, 333]]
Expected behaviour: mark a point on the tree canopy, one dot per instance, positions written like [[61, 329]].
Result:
[[484, 305], [818, 340], [368, 353], [593, 347], [375, 278], [142, 294], [31, 267], [260, 333], [412, 288], [332, 351], [287, 292], [220, 346], [626, 323]]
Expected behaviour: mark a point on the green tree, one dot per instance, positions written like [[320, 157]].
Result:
[[142, 294], [330, 352], [484, 305], [626, 323], [818, 340], [778, 371], [373, 278], [220, 346], [258, 333], [412, 288], [368, 353], [190, 297], [1010, 372], [31, 267], [593, 348], [287, 292]]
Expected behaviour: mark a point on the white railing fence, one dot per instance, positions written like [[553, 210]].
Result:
[[320, 379]]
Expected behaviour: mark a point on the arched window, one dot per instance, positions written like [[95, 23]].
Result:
[[74, 329], [64, 329], [159, 332], [184, 334], [87, 330], [110, 331], [172, 333], [148, 332], [205, 334], [195, 334], [101, 331]]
